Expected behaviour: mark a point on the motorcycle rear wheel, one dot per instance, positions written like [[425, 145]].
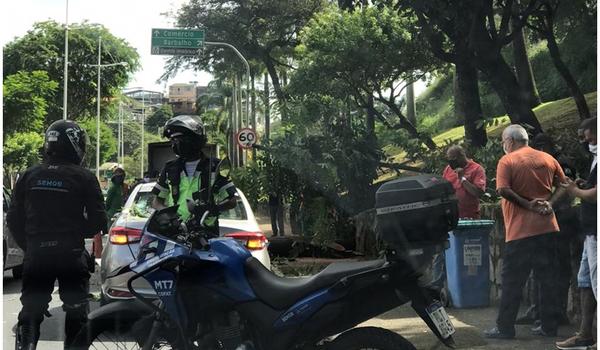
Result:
[[370, 338], [111, 335]]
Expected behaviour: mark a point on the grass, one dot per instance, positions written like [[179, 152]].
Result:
[[556, 114]]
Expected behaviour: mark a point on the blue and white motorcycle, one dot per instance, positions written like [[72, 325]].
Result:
[[212, 295]]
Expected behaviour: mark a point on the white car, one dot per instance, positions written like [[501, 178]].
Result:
[[121, 247]]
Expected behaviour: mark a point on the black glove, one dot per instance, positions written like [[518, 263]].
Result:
[[198, 209]]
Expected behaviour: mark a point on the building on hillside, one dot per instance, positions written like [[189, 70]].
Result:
[[146, 100], [182, 98]]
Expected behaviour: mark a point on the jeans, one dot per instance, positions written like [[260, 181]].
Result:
[[586, 278]]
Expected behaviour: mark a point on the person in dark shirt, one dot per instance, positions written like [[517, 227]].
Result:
[[56, 205], [587, 280]]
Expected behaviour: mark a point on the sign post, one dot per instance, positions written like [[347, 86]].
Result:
[[180, 42]]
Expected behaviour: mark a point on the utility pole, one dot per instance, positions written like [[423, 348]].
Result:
[[66, 69], [98, 112]]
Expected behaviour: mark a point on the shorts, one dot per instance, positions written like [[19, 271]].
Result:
[[586, 278]]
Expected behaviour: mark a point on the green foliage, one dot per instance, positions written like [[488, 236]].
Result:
[[25, 101], [41, 49], [108, 142], [22, 150], [158, 118]]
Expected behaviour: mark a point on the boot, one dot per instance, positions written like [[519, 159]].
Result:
[[75, 319], [27, 336]]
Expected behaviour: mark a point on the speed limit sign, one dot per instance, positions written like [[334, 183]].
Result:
[[246, 138]]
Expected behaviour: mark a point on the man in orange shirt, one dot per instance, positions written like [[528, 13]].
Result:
[[525, 179]]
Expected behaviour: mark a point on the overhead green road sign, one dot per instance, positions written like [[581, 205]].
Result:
[[176, 41]]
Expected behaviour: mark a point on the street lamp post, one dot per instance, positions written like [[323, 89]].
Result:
[[100, 66], [66, 70]]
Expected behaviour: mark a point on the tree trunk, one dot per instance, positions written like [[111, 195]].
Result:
[[563, 70], [371, 116], [459, 114], [410, 104], [253, 108], [277, 87], [523, 68], [504, 82], [467, 100], [267, 108]]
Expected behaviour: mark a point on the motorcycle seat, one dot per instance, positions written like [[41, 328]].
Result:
[[281, 292]]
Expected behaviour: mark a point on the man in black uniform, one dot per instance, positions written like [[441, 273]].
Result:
[[186, 178], [55, 206]]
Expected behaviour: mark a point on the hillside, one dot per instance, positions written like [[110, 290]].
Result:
[[552, 115]]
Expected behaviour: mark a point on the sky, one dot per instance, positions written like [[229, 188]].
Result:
[[131, 20]]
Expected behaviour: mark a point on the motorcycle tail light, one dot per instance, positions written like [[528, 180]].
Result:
[[123, 235], [251, 240]]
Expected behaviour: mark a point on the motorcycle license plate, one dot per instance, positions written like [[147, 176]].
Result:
[[441, 320]]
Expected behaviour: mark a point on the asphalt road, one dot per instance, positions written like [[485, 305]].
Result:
[[468, 323]]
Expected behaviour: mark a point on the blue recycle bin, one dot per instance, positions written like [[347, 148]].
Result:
[[468, 264]]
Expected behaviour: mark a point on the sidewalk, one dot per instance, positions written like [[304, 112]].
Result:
[[469, 324]]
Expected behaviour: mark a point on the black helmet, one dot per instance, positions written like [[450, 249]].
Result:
[[190, 125], [65, 140]]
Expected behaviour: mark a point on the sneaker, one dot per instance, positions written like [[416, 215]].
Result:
[[542, 332], [495, 333], [575, 343]]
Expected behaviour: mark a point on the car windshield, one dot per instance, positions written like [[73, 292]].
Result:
[[142, 207]]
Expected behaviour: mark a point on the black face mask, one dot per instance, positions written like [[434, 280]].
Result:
[[453, 163], [118, 179], [186, 147]]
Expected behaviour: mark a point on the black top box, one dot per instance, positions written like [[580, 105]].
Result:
[[416, 210]]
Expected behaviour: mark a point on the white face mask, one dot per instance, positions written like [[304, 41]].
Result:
[[593, 148]]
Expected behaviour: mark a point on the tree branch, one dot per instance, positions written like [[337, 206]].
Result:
[[402, 166], [506, 15]]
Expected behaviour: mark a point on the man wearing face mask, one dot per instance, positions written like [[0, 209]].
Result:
[[468, 180], [56, 204], [190, 173], [525, 179], [116, 195], [586, 278]]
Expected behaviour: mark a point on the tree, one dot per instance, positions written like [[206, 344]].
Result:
[[522, 65], [108, 143], [42, 49], [26, 99], [21, 150], [448, 40], [158, 118], [262, 30], [481, 37], [544, 22], [368, 55]]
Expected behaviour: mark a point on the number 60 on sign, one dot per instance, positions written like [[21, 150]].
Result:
[[246, 138]]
